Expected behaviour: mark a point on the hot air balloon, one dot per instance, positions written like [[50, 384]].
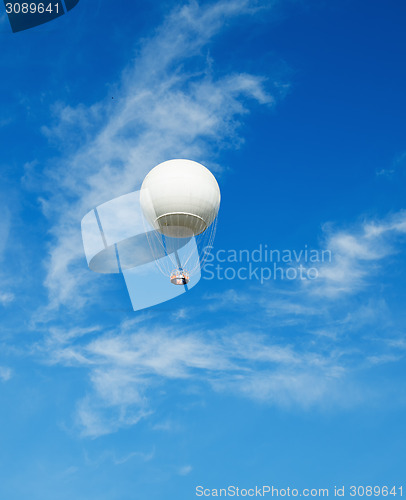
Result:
[[180, 199]]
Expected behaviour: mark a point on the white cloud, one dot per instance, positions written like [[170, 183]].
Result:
[[111, 456], [128, 365], [6, 298], [96, 418], [398, 163], [383, 358], [5, 221], [358, 255], [185, 470], [347, 300], [165, 110], [286, 389], [5, 373], [349, 261]]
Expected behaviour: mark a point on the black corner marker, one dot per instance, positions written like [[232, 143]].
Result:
[[25, 15]]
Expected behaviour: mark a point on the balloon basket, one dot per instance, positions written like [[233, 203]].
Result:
[[179, 277]]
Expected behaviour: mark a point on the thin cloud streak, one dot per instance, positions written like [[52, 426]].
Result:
[[358, 255], [5, 373], [6, 298]]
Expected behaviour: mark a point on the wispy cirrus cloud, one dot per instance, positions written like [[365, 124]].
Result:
[[351, 295], [128, 368], [359, 254], [111, 456], [349, 261], [6, 295], [170, 104], [398, 163], [6, 298], [5, 222], [5, 373]]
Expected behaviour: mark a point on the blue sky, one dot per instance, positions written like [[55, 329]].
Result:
[[298, 108]]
